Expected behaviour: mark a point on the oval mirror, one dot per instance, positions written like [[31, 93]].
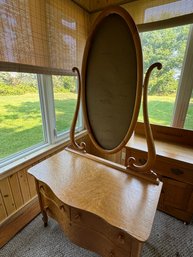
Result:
[[112, 80]]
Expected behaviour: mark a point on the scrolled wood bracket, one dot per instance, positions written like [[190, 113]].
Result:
[[75, 145], [131, 162]]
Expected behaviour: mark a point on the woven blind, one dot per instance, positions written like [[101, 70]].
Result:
[[145, 11], [43, 33]]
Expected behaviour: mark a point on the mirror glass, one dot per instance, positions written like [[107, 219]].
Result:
[[110, 81]]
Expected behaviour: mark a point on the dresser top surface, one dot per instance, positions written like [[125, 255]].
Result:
[[122, 200], [178, 152]]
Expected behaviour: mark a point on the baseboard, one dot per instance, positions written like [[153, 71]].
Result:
[[11, 226]]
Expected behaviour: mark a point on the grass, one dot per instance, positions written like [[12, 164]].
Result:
[[65, 108], [160, 109], [21, 122]]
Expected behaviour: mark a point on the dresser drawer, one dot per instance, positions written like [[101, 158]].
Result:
[[91, 221], [94, 241], [176, 171], [51, 203], [176, 194], [165, 167]]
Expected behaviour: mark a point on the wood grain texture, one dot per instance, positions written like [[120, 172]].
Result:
[[7, 196], [88, 230], [171, 134], [16, 190], [22, 175], [32, 186], [17, 187], [18, 220], [174, 166], [176, 151], [88, 185], [95, 5], [3, 213]]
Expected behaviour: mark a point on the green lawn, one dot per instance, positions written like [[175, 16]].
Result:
[[20, 118], [21, 122], [160, 110]]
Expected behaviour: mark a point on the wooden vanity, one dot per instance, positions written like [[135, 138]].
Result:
[[98, 207], [102, 206]]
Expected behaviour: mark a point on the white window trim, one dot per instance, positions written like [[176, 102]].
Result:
[[47, 105], [185, 85], [51, 138]]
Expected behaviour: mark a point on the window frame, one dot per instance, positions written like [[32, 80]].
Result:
[[178, 117], [65, 134], [47, 108]]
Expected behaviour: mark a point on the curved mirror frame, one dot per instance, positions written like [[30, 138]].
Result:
[[138, 66]]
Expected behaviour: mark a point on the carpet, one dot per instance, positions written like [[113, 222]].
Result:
[[169, 238]]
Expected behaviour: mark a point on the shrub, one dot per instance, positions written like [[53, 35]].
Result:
[[16, 90]]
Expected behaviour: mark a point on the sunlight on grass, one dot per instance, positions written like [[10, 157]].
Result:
[[64, 110], [160, 109], [21, 121]]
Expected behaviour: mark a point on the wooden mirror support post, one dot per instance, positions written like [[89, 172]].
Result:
[[98, 207]]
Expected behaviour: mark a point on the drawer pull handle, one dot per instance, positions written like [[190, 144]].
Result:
[[121, 238], [62, 208], [177, 171], [77, 216], [142, 161], [41, 188]]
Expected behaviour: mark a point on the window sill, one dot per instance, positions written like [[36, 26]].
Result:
[[35, 157]]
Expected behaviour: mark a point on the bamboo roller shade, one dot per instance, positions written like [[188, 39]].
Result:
[[42, 33]]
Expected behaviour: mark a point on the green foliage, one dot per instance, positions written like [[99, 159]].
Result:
[[168, 47], [15, 83], [16, 90], [17, 78], [64, 84]]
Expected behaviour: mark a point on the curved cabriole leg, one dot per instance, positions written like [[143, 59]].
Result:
[[82, 145], [44, 214], [146, 168], [45, 218]]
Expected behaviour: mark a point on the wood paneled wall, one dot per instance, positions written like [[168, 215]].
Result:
[[15, 191]]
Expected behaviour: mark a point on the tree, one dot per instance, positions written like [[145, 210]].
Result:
[[166, 46], [64, 83]]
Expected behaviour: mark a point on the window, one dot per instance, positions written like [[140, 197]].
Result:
[[171, 47], [32, 108], [65, 96], [21, 119]]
